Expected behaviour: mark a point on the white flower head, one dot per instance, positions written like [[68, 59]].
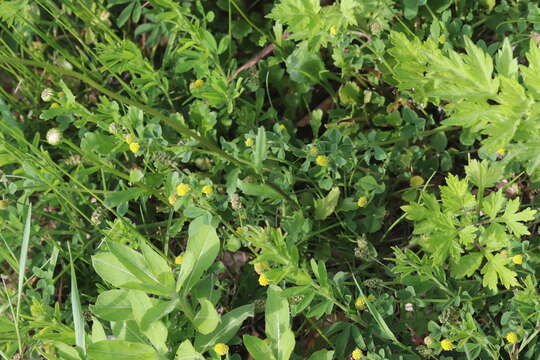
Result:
[[47, 94], [54, 136], [409, 307]]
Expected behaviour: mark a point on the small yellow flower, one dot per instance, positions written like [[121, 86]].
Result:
[[134, 147], [416, 181], [172, 199], [263, 280], [54, 105], [129, 138], [313, 151], [207, 190], [517, 259], [239, 230], [182, 189], [512, 337], [442, 39], [221, 349], [360, 303], [178, 260], [333, 30], [197, 84], [362, 201], [322, 160], [281, 126], [447, 345], [500, 152], [260, 267], [357, 354], [249, 142]]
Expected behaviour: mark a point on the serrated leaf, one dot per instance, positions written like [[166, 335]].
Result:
[[506, 65], [495, 270], [493, 203], [456, 195], [482, 174], [512, 218]]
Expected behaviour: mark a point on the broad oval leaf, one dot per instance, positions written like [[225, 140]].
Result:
[[113, 305], [207, 318], [121, 350]]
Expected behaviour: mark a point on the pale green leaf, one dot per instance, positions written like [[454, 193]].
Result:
[[121, 350], [207, 318]]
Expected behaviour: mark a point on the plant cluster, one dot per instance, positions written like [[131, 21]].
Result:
[[269, 180]]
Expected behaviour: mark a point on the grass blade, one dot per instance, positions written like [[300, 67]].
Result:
[[76, 308]]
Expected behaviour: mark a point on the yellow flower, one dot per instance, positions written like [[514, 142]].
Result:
[[362, 201], [333, 30], [512, 337], [197, 84], [442, 39], [221, 349], [134, 147], [260, 267], [249, 142], [416, 181], [129, 138], [172, 199], [447, 345], [313, 151], [178, 260], [517, 259], [207, 189], [54, 105], [263, 280], [182, 189], [360, 303], [281, 126], [322, 160], [500, 152], [357, 354]]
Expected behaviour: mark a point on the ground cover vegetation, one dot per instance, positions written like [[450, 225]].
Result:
[[269, 180]]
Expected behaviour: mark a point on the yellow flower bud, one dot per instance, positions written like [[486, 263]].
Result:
[[221, 349], [447, 345], [357, 354], [249, 142], [134, 147], [360, 303], [362, 201], [172, 199], [416, 181], [333, 30], [263, 280], [178, 260], [207, 190], [182, 189], [517, 259], [512, 337], [197, 84], [322, 160], [313, 151]]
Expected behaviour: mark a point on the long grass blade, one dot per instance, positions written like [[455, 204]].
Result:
[[76, 308]]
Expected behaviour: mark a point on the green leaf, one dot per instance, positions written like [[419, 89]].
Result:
[[202, 249], [226, 330], [260, 150], [482, 174], [258, 348], [158, 266], [119, 197], [512, 218], [158, 311], [300, 16], [186, 351], [467, 265], [496, 268], [155, 331], [455, 195], [322, 355], [113, 305], [287, 342], [493, 203], [506, 65], [78, 320], [98, 333], [121, 350], [304, 67], [326, 206], [207, 318], [262, 191], [277, 320]]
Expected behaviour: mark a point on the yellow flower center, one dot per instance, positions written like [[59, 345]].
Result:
[[182, 189], [221, 349], [322, 160]]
